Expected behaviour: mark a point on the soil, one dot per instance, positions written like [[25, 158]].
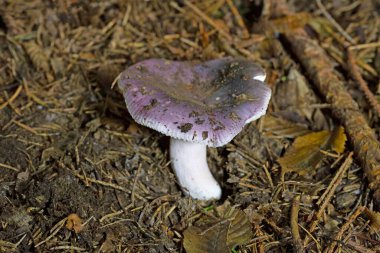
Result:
[[69, 146]]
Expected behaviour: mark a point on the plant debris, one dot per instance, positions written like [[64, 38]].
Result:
[[77, 174], [218, 232], [74, 222], [306, 152]]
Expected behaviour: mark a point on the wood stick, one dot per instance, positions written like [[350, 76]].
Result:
[[343, 229], [355, 72], [297, 241]]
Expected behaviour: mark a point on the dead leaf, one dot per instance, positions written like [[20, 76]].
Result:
[[240, 230], [218, 233], [338, 140], [74, 222], [109, 243], [134, 129], [106, 75], [304, 155], [280, 128], [297, 101], [214, 240]]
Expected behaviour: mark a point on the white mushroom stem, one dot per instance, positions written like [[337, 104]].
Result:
[[189, 163]]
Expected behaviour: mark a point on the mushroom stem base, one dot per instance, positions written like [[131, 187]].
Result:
[[189, 163]]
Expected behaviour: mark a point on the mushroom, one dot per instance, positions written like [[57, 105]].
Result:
[[197, 105]]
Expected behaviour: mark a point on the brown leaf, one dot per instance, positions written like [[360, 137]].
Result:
[[134, 129], [304, 155], [214, 240], [220, 233], [74, 222], [281, 128], [109, 243], [338, 140], [240, 230]]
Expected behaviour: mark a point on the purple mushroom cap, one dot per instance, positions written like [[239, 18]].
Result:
[[206, 102]]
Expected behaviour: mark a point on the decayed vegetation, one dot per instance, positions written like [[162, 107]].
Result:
[[78, 175]]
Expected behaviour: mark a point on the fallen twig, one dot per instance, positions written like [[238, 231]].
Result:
[[208, 20], [327, 195], [334, 23], [355, 72], [297, 241], [335, 181], [344, 228], [95, 181], [12, 98], [238, 18], [53, 231], [9, 167]]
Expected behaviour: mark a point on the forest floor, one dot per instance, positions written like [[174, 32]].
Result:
[[78, 175]]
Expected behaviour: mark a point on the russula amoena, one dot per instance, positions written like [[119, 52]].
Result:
[[197, 105]]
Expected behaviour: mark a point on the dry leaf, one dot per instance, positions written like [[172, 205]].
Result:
[[134, 129], [109, 243], [240, 230], [281, 128], [74, 222], [220, 233], [338, 140], [304, 154], [213, 240]]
